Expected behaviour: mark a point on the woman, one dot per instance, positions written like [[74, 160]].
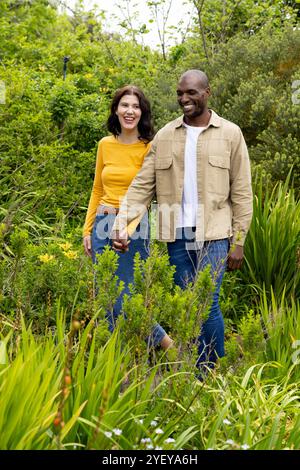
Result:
[[119, 158]]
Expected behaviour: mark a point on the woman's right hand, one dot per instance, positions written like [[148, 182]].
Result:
[[87, 245]]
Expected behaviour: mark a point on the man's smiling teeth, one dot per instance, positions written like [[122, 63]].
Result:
[[187, 107]]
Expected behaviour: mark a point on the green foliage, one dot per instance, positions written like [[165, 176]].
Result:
[[251, 333], [55, 396], [153, 280], [219, 21], [107, 285], [245, 346], [63, 387], [282, 328], [28, 387], [62, 101], [234, 298], [70, 398], [254, 413], [272, 248], [50, 127], [155, 299], [42, 276]]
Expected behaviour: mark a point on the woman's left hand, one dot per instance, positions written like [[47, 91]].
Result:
[[87, 245]]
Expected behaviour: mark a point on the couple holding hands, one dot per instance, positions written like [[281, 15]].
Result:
[[198, 167]]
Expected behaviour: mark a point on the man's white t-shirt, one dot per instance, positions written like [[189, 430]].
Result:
[[188, 214]]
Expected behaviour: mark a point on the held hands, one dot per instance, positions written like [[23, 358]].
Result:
[[120, 241], [235, 257]]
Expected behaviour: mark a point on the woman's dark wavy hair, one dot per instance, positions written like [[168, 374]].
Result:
[[145, 126]]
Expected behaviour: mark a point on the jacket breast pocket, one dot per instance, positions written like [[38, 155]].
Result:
[[164, 175], [218, 174]]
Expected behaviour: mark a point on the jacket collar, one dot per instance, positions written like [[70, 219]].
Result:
[[214, 121]]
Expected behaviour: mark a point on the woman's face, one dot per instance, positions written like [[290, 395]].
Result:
[[129, 112]]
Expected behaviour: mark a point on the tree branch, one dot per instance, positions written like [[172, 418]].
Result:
[[199, 11]]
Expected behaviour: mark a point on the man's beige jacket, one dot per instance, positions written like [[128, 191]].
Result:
[[223, 179]]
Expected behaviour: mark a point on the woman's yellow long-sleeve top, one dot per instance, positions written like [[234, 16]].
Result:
[[116, 166]]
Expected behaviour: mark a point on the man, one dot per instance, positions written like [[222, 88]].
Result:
[[199, 168]]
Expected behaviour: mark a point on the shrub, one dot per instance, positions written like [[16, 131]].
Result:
[[43, 275]]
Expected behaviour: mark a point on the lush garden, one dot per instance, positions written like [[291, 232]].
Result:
[[65, 381]]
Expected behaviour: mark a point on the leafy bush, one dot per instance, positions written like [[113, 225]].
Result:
[[41, 276]]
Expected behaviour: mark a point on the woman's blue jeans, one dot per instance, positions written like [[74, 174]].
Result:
[[189, 258], [139, 244]]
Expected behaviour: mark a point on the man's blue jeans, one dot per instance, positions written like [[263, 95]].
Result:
[[139, 244], [189, 258]]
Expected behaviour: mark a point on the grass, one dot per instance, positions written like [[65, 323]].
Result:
[[104, 403], [273, 242]]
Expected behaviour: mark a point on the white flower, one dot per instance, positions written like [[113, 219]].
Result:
[[117, 431], [245, 447], [226, 421], [158, 448], [159, 431], [210, 448], [145, 439], [169, 440], [153, 423], [230, 441], [141, 421], [149, 446], [108, 433]]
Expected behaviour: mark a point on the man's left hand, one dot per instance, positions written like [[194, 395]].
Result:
[[235, 258]]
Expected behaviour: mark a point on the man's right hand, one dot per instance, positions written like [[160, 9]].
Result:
[[120, 241]]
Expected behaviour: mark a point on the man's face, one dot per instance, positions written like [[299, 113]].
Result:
[[192, 96]]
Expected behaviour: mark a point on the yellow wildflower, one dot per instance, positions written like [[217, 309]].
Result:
[[65, 246], [71, 254], [46, 258]]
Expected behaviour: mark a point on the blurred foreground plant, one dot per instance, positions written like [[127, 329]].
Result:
[[62, 393]]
